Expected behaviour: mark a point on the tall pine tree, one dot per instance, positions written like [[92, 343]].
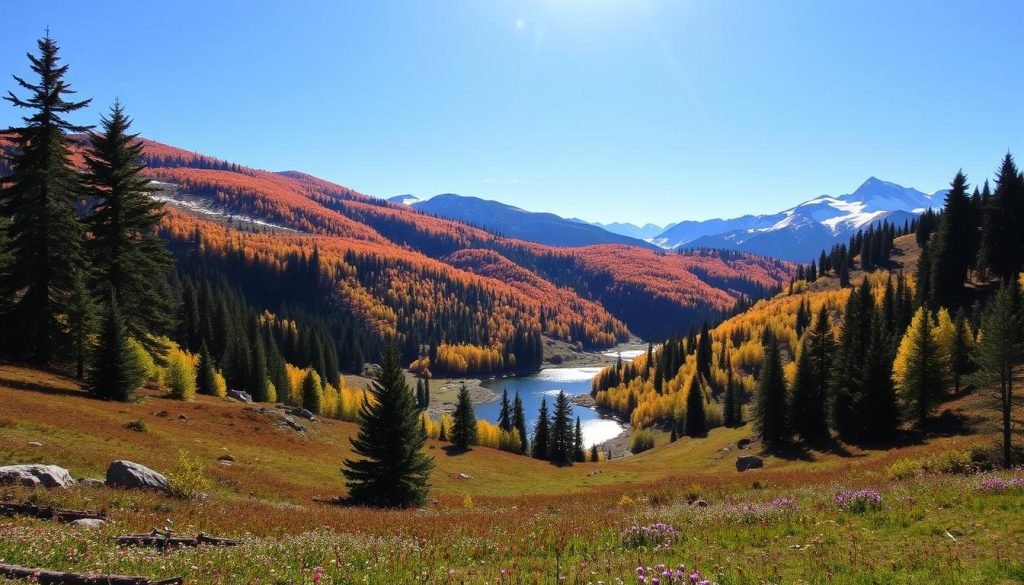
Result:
[[696, 418], [771, 399], [541, 442], [392, 471], [808, 415], [44, 240], [115, 372], [463, 421]]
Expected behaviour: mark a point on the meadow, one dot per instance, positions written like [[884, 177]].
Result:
[[516, 520]]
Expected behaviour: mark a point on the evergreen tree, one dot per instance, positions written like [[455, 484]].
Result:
[[128, 256], [115, 372], [81, 319], [593, 453], [878, 414], [960, 352], [258, 380], [505, 416], [312, 392], [696, 418], [674, 436], [393, 471], [998, 351], [561, 450], [731, 408], [463, 421], [846, 385], [419, 393], [542, 433], [771, 399], [808, 415], [206, 379], [919, 371], [579, 454], [44, 238], [519, 422], [1002, 240], [704, 351], [953, 248]]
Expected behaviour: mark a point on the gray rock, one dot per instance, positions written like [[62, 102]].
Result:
[[700, 504], [293, 424], [91, 482], [34, 444], [128, 474], [744, 443], [465, 476], [302, 413], [226, 457], [239, 395], [89, 523], [37, 475], [749, 462]]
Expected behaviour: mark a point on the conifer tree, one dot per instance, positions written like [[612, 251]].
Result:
[[878, 415], [561, 450], [419, 393], [579, 454], [1002, 240], [258, 381], [505, 415], [674, 435], [44, 237], [115, 372], [696, 418], [519, 422], [463, 421], [542, 433], [81, 319], [129, 259], [771, 399], [919, 373], [808, 414], [953, 249], [960, 351], [846, 386], [731, 407], [998, 351], [206, 378], [392, 471], [312, 392], [593, 453], [704, 351]]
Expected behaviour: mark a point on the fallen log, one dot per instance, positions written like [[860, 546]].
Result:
[[61, 578], [47, 513], [163, 539], [333, 501]]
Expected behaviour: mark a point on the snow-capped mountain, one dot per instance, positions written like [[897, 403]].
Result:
[[801, 232], [405, 199], [640, 232]]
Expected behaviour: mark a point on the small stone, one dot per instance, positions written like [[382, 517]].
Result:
[[749, 462], [465, 476], [183, 418], [226, 463], [91, 482], [226, 457], [700, 504], [89, 523], [34, 444], [162, 414]]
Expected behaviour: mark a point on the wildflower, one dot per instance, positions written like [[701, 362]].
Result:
[[859, 501]]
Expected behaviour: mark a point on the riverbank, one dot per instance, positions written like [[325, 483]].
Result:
[[559, 354]]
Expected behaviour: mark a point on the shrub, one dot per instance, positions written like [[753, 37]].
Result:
[[145, 361], [136, 425], [999, 485], [860, 501], [220, 385], [467, 502], [189, 477], [626, 502], [903, 469], [180, 377], [655, 534], [642, 440], [950, 462]]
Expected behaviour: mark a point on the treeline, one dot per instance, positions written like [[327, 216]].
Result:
[[856, 363]]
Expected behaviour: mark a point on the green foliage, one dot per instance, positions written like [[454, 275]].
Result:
[[770, 420], [561, 449], [206, 375], [641, 440], [463, 421], [920, 369], [44, 237], [188, 480], [312, 392], [393, 471], [115, 372], [997, 353], [808, 416], [542, 433], [696, 418]]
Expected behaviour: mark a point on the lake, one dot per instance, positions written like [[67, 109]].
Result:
[[546, 384]]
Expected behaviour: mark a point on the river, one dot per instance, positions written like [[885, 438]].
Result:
[[547, 383]]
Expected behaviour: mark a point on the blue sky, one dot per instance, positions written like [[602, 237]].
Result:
[[644, 111]]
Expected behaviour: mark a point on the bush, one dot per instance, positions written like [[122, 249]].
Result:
[[136, 425], [950, 462], [860, 501], [220, 385], [642, 440], [650, 535], [180, 377], [144, 360], [189, 478], [903, 469]]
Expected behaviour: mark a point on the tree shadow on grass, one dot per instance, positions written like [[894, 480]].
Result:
[[17, 384]]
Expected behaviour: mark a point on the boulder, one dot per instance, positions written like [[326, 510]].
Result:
[[89, 523], [744, 443], [240, 396], [700, 504], [465, 476], [34, 444], [91, 482], [128, 474], [226, 457], [37, 475], [749, 462]]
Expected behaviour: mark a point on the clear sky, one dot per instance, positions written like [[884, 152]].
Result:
[[642, 110]]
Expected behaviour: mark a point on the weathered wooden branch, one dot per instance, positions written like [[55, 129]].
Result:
[[334, 501], [61, 578], [46, 513], [162, 539]]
